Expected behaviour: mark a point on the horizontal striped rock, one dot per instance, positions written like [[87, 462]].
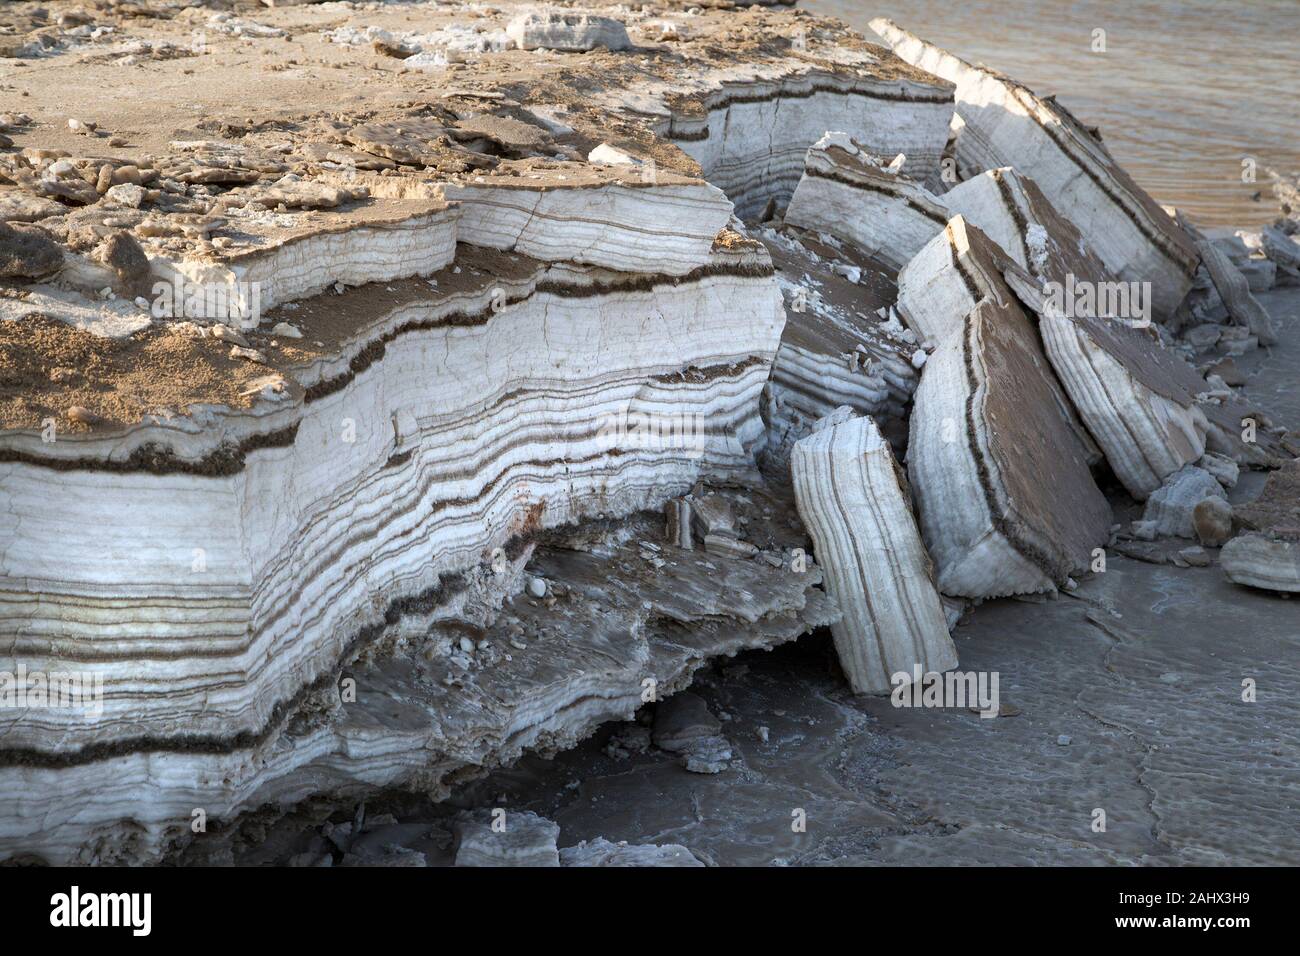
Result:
[[1267, 552], [426, 714], [1006, 124], [850, 194], [847, 487], [753, 130], [610, 219], [240, 554]]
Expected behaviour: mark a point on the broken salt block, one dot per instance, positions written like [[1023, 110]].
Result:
[[988, 418], [1171, 507], [520, 838], [677, 513], [567, 32], [727, 545], [684, 726], [1224, 469], [850, 496], [1235, 292], [252, 355], [27, 252], [849, 194], [712, 514], [1267, 555]]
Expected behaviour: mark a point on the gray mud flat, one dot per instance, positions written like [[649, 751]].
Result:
[[1141, 669]]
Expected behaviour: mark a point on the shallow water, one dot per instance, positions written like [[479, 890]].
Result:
[[1183, 92]]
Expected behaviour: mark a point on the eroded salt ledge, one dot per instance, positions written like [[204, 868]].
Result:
[[406, 526]]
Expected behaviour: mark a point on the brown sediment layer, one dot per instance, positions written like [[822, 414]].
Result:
[[930, 214]]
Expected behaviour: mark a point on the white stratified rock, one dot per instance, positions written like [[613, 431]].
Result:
[[601, 852], [570, 31], [1171, 507], [1262, 561], [380, 243], [506, 838], [666, 227], [751, 139], [849, 494], [502, 397], [848, 193], [998, 464], [1234, 290], [1005, 124]]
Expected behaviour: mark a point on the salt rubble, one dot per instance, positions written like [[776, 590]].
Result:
[[1267, 552]]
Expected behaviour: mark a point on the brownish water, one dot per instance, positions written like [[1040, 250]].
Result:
[[1183, 92]]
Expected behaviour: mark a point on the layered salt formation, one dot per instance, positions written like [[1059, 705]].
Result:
[[396, 516]]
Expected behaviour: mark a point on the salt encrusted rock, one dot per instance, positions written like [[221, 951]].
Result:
[[571, 32], [989, 423], [662, 227], [1005, 124], [752, 137], [1172, 505], [849, 493], [1235, 292], [836, 350], [1267, 555], [850, 194], [1262, 561], [506, 837], [1212, 521], [17, 205], [122, 253], [1224, 469], [600, 852], [1282, 249], [26, 252]]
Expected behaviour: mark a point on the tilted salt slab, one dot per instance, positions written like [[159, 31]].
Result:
[[610, 219], [1235, 292], [1005, 124], [849, 494], [847, 193], [997, 464], [569, 31]]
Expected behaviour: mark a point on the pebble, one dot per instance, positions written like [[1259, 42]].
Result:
[[537, 587], [1064, 740], [252, 355], [467, 645]]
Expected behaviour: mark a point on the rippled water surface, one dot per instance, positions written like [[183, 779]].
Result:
[[1183, 92]]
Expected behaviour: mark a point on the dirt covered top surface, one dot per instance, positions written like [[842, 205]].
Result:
[[135, 132]]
